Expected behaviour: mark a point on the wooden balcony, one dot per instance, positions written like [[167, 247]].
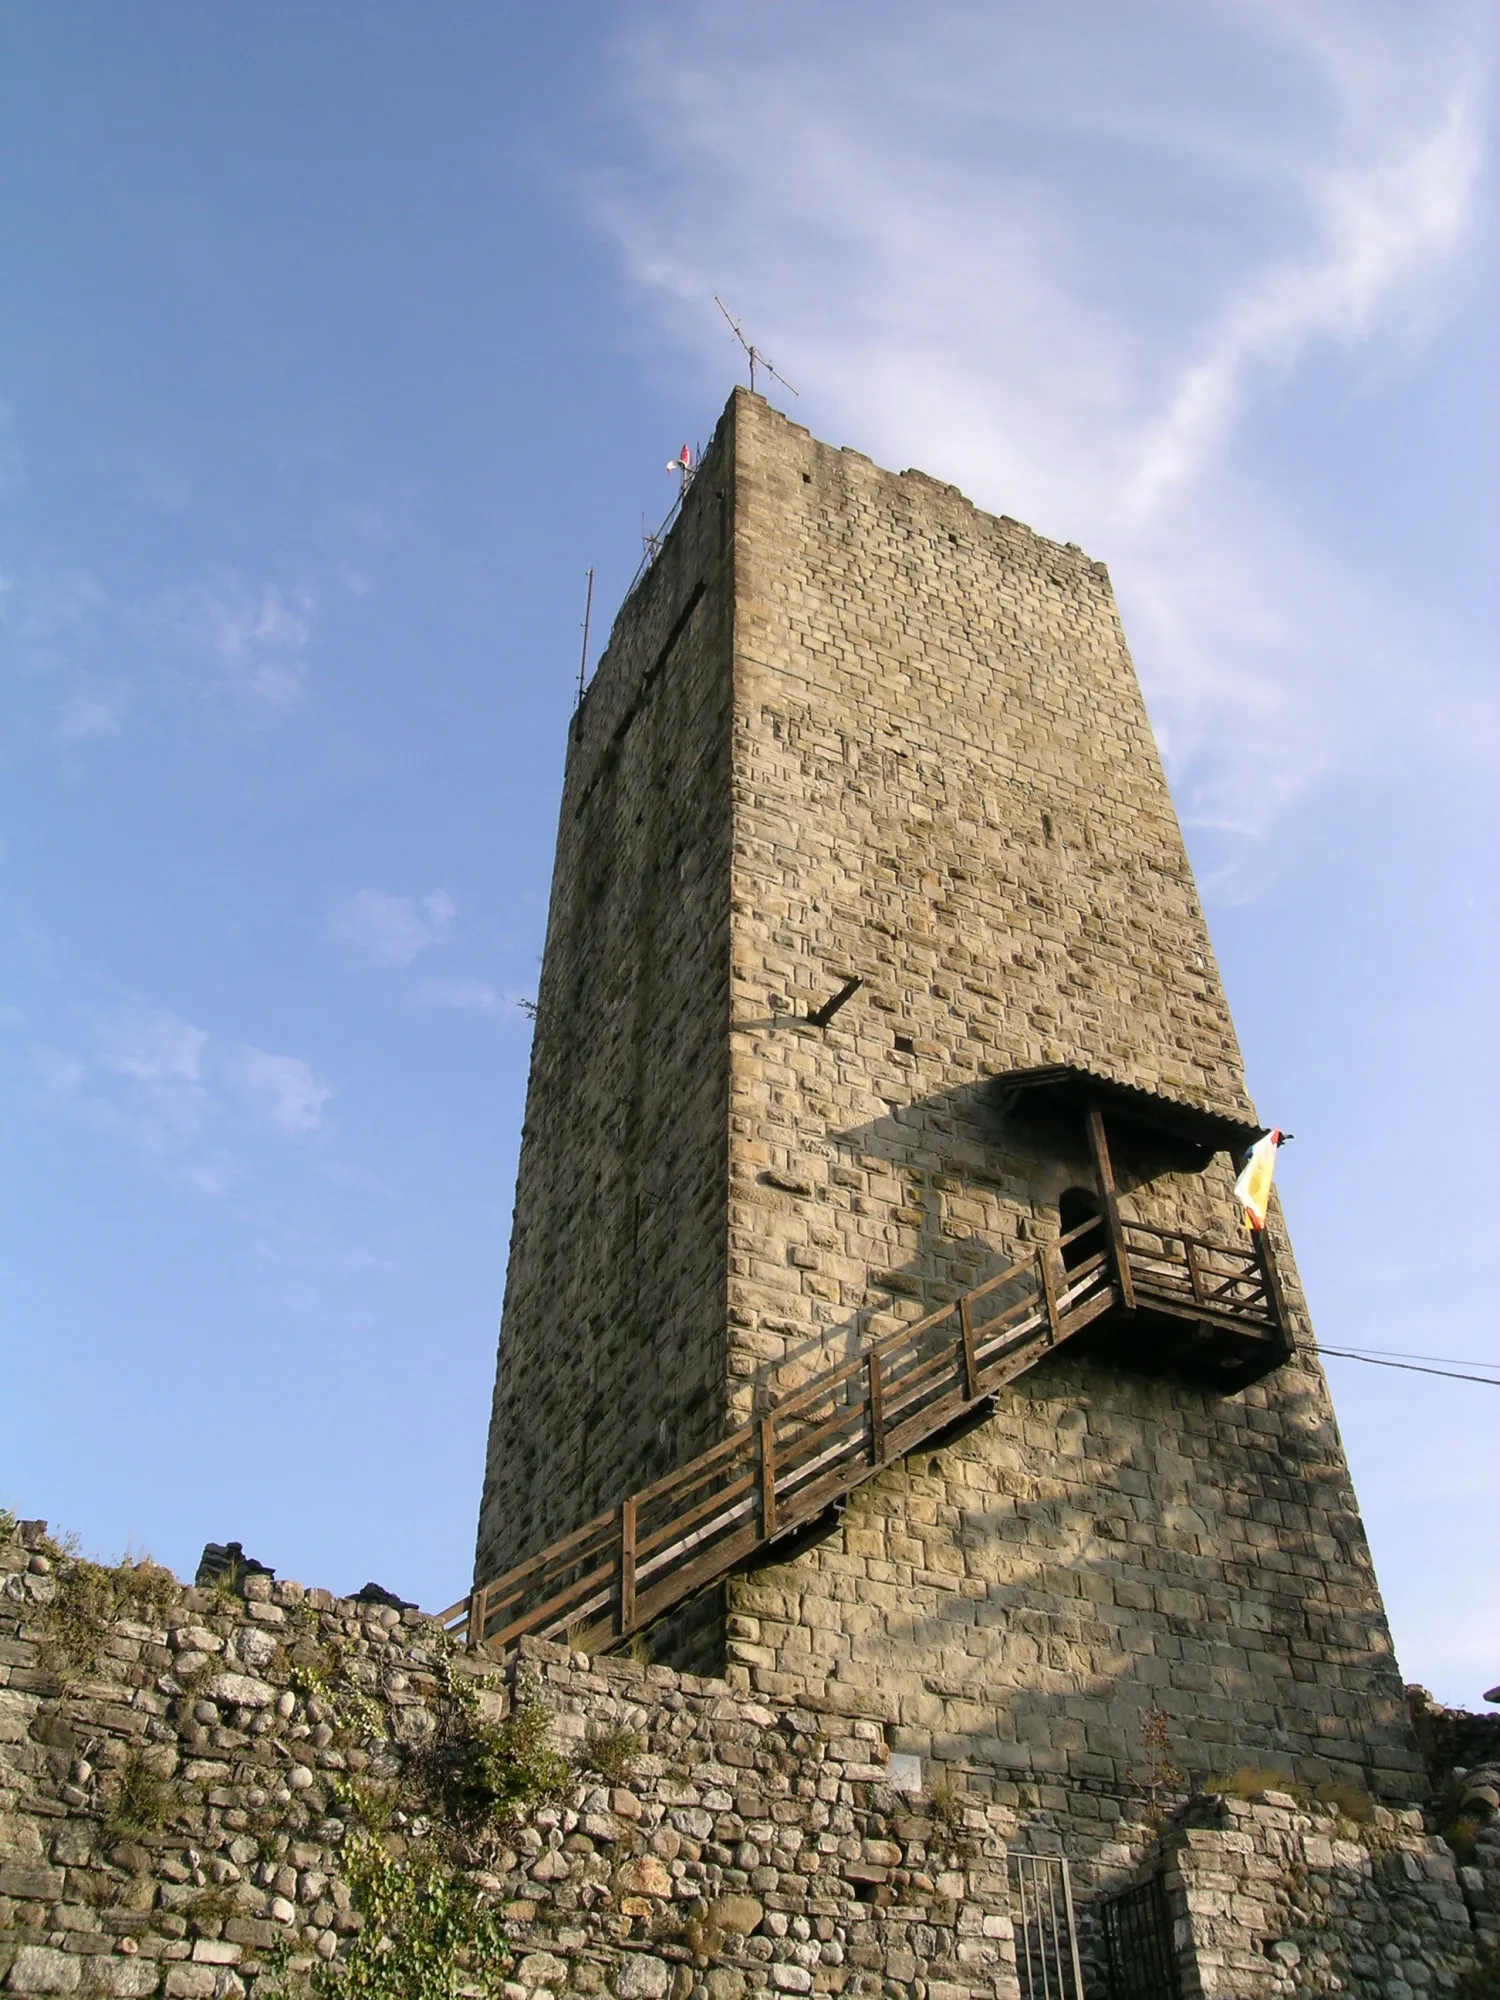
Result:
[[1208, 1311], [1185, 1305]]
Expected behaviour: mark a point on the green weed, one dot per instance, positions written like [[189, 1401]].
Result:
[[613, 1753], [87, 1600], [141, 1802], [427, 1933]]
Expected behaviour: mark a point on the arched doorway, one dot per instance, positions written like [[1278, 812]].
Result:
[[1075, 1207]]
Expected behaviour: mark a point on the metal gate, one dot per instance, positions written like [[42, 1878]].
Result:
[[1041, 1912], [1138, 1949]]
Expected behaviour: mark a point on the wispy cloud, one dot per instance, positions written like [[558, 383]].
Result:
[[152, 1046], [167, 1088], [44, 617], [469, 995], [158, 1059], [246, 647], [391, 930], [248, 644], [1061, 256], [1382, 225], [93, 711], [282, 1091]]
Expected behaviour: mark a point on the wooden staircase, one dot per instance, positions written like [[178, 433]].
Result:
[[1190, 1301]]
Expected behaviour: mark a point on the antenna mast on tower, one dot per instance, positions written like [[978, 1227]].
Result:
[[757, 359]]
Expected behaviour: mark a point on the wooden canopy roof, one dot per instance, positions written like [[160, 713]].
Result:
[[1064, 1086]]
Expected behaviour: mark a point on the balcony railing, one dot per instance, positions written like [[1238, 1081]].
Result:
[[1202, 1280]]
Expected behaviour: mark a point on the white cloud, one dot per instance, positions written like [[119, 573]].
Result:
[[161, 1098], [248, 643], [471, 995], [1059, 256], [163, 1086], [1382, 225], [152, 1046], [45, 617], [92, 711], [393, 930], [283, 1091]]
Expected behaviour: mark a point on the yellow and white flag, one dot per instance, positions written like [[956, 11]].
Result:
[[1253, 1188]]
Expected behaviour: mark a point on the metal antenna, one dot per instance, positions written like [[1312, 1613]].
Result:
[[583, 658], [757, 359]]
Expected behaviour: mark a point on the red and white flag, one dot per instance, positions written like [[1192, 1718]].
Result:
[[1253, 1188]]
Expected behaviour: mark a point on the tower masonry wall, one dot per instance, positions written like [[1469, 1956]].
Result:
[[611, 1354], [849, 726], [946, 783]]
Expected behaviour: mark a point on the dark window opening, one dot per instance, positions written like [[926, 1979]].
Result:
[[1075, 1207], [906, 1045]]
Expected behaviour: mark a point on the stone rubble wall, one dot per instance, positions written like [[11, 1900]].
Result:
[[778, 1835], [1454, 1740], [753, 1850], [1273, 1901]]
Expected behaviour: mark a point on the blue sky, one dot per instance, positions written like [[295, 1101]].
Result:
[[338, 342]]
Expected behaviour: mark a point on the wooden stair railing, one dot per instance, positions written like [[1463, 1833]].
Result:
[[776, 1476], [628, 1566]]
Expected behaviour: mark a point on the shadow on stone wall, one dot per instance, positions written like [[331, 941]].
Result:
[[1108, 1544]]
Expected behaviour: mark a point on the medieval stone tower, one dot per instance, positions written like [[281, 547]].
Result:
[[849, 728]]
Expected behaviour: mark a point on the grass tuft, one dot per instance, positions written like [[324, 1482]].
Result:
[[142, 1801], [87, 1598], [613, 1753]]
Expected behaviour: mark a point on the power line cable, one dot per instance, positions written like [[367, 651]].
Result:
[[1403, 1354], [1449, 1375]]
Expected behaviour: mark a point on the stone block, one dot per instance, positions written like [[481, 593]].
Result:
[[39, 1884], [737, 1914], [192, 1982], [642, 1977], [38, 1969], [122, 1978]]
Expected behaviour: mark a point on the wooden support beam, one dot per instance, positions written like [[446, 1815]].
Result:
[[966, 1336], [821, 1016], [877, 1411], [1195, 1272], [1046, 1271], [627, 1565], [1265, 1256], [768, 1476], [1110, 1195]]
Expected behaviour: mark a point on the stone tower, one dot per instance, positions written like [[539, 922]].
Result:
[[847, 728]]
